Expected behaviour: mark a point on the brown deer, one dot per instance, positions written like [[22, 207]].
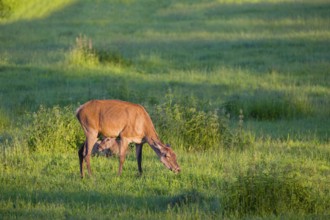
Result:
[[126, 123]]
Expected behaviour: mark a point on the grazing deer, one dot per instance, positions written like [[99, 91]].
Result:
[[128, 122]]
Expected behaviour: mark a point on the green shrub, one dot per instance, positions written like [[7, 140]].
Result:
[[84, 54], [197, 129], [194, 129], [190, 127], [53, 129]]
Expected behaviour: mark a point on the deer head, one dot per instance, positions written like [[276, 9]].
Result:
[[109, 144], [168, 158]]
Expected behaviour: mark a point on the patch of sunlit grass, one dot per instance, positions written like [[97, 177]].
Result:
[[35, 9]]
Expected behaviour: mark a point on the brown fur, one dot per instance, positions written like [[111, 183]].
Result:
[[129, 123]]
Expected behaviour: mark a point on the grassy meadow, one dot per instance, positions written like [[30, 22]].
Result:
[[240, 89]]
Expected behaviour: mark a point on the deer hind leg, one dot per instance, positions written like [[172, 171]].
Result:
[[90, 141], [81, 160], [138, 151], [123, 145]]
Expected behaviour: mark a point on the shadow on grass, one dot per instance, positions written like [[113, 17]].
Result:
[[92, 203], [249, 195], [43, 203], [26, 88]]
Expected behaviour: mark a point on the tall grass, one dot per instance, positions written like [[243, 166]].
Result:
[[270, 105]]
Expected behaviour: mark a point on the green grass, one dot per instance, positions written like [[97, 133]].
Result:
[[240, 89], [273, 179]]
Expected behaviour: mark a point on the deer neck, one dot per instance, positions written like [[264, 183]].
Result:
[[156, 145]]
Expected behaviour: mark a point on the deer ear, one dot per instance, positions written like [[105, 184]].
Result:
[[162, 148]]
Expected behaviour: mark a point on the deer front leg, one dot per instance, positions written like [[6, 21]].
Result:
[[138, 151]]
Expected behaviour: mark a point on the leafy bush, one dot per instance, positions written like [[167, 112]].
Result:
[[194, 129], [191, 128], [269, 105], [53, 129]]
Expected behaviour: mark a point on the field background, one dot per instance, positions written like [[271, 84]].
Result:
[[240, 89]]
